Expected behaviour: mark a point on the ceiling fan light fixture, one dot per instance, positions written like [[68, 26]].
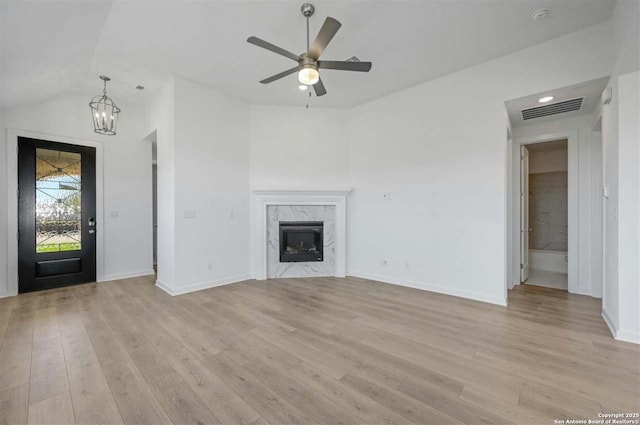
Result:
[[309, 62], [308, 76]]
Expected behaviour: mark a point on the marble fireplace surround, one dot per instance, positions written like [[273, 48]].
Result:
[[262, 199]]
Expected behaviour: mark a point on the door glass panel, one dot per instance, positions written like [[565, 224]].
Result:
[[58, 201]]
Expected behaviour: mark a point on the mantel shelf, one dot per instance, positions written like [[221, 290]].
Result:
[[320, 192]]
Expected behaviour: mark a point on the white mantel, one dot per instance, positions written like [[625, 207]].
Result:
[[262, 198]]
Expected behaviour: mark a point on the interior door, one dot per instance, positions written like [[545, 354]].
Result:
[[524, 213], [56, 210]]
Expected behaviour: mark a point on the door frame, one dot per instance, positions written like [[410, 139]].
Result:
[[524, 214], [12, 201], [572, 202]]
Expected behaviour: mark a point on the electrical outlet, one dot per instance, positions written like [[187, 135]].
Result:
[[190, 214], [232, 214], [114, 214], [210, 265], [386, 196], [407, 265]]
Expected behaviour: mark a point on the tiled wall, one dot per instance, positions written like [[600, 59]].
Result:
[[548, 211]]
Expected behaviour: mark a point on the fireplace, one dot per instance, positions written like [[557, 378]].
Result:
[[301, 241]]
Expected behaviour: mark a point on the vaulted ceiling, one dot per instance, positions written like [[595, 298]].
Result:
[[54, 47]]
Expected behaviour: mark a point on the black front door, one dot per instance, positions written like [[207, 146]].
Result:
[[56, 210]]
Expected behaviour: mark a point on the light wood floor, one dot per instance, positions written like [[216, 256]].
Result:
[[307, 351]]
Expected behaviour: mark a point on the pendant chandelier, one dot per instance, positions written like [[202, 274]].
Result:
[[104, 112]]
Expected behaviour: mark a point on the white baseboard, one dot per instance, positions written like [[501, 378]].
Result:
[[7, 294], [127, 275], [620, 334], [199, 286], [609, 322], [477, 296], [628, 336]]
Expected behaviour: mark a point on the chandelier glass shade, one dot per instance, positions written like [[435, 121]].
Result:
[[104, 112]]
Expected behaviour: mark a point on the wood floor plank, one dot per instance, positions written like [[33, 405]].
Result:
[[333, 365], [15, 352], [177, 399], [48, 369], [90, 394], [54, 410], [507, 410], [135, 401], [214, 393], [270, 405], [184, 407], [410, 408], [448, 404], [14, 405], [6, 308], [319, 408], [362, 406]]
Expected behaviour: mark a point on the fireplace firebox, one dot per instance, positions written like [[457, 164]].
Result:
[[301, 241]]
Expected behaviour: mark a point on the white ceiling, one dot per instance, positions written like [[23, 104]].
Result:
[[62, 46], [590, 90]]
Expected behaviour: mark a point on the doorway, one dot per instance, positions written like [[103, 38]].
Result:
[[56, 214], [545, 216], [154, 189]]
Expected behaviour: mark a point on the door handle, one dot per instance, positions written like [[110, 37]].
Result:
[[530, 230], [91, 231]]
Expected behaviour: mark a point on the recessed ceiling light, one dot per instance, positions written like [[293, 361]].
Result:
[[302, 87], [545, 99], [539, 14]]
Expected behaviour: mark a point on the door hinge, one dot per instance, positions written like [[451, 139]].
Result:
[[521, 266]]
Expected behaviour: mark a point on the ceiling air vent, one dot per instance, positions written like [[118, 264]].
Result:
[[552, 109]]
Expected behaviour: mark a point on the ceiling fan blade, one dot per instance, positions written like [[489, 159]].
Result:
[[272, 47], [345, 66], [327, 32], [280, 75], [319, 88]]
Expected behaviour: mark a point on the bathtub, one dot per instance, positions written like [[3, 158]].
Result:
[[553, 261]]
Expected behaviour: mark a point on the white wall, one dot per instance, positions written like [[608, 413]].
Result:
[[211, 181], [127, 179], [629, 207], [621, 210], [584, 250], [162, 121], [4, 269], [299, 148], [440, 150]]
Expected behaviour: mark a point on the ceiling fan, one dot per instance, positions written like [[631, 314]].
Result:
[[308, 62]]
